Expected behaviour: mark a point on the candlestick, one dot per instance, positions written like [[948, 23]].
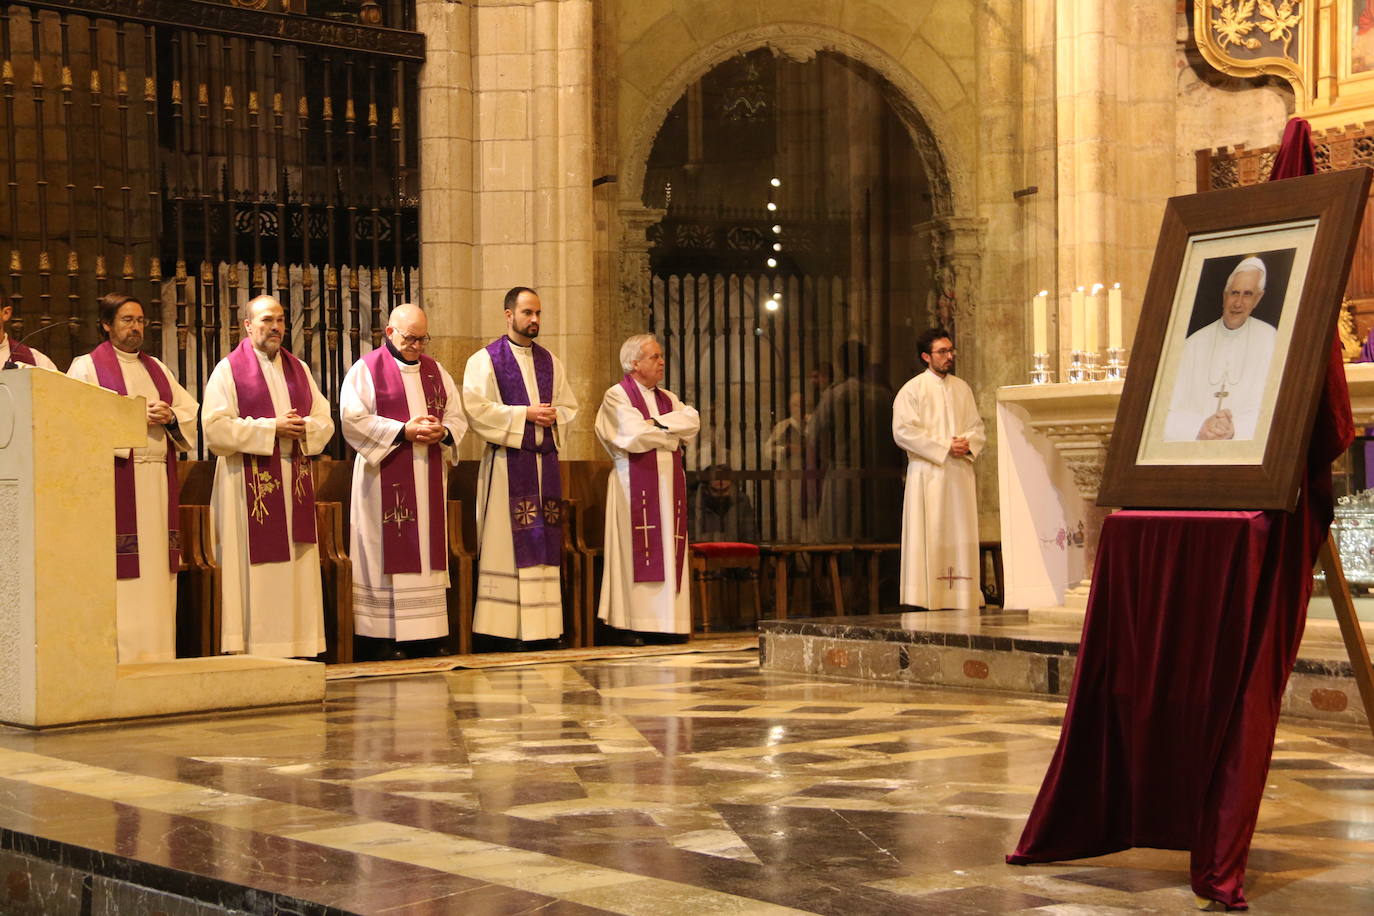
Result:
[[1114, 317], [1040, 321], [1092, 319], [1076, 319], [1041, 374]]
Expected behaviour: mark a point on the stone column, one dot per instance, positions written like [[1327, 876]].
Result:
[[447, 225], [634, 277]]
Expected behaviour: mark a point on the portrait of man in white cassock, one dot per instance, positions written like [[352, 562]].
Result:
[[402, 412], [643, 427], [1225, 366], [935, 421]]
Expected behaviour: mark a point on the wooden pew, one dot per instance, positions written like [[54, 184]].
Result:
[[584, 484], [199, 596], [333, 488]]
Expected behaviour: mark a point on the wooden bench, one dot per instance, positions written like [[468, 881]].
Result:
[[781, 555], [199, 593]]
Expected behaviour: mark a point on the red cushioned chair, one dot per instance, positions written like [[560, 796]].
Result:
[[709, 559]]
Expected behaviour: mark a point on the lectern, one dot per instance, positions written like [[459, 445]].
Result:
[[58, 661]]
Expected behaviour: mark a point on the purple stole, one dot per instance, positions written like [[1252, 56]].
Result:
[[536, 525], [401, 523], [648, 551], [268, 539], [109, 375], [21, 353]]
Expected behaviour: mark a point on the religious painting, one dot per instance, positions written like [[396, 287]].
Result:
[[1232, 345], [1361, 27]]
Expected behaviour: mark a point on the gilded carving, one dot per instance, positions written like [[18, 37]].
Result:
[[1251, 37]]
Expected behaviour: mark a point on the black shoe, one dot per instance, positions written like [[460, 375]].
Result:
[[394, 654]]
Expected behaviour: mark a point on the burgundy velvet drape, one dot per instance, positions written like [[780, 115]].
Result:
[[1192, 629]]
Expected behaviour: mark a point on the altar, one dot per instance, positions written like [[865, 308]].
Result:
[[1053, 443]]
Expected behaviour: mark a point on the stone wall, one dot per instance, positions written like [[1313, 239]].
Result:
[[1053, 133]]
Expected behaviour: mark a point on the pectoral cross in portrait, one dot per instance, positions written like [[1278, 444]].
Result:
[[1221, 394], [645, 527], [399, 513]]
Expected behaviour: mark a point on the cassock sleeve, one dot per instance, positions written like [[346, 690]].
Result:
[[372, 435], [683, 421], [226, 433], [487, 416], [564, 403], [319, 426], [974, 431], [1183, 422], [910, 432], [453, 419], [183, 434], [42, 361], [619, 425]]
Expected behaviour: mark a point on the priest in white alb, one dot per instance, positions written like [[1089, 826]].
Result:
[[644, 428], [17, 353], [517, 398], [147, 511], [1219, 389], [935, 421], [263, 416], [401, 411]]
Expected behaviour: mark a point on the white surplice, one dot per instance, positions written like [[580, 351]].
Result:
[[650, 607], [512, 603], [40, 360], [1217, 359], [146, 616], [400, 606], [271, 609], [940, 512]]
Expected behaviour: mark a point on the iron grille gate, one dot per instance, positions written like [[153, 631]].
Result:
[[196, 155], [824, 470]]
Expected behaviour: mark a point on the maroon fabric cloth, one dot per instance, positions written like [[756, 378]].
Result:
[[109, 374], [1295, 156], [1191, 631], [725, 549], [401, 527]]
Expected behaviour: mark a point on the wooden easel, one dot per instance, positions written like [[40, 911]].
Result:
[[1355, 647]]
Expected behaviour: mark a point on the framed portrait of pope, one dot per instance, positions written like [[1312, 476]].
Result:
[[1232, 345]]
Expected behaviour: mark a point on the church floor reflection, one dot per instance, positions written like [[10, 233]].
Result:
[[675, 784]]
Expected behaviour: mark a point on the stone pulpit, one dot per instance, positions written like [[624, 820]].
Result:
[[58, 662]]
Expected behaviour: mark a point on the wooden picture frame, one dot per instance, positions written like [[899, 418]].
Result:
[[1303, 231]]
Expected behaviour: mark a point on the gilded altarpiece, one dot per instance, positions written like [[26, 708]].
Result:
[[1325, 50]]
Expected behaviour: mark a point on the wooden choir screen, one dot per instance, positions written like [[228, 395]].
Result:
[[197, 155]]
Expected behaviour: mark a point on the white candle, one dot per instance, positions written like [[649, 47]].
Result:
[[1114, 316], [1040, 321], [1076, 319], [1093, 319]]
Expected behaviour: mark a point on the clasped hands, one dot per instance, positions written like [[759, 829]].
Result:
[[425, 430], [160, 413], [541, 415], [1218, 426], [958, 446], [290, 425]]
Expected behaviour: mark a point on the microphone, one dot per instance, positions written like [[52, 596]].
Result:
[[10, 363]]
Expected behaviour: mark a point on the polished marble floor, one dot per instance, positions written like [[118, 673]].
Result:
[[684, 784]]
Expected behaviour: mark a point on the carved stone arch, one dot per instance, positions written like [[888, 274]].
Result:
[[950, 180], [951, 184]]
